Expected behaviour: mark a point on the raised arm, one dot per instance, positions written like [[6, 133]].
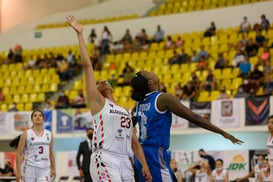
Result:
[[167, 101], [94, 98], [20, 155], [52, 159]]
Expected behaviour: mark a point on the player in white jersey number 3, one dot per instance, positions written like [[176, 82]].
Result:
[[34, 158]]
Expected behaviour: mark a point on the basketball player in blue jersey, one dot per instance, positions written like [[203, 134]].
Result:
[[154, 115]]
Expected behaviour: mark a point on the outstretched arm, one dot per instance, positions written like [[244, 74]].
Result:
[[167, 101], [20, 155], [94, 98], [52, 160]]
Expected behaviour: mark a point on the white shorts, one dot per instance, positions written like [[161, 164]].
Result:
[[108, 166], [35, 174]]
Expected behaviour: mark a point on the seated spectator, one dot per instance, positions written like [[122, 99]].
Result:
[[223, 93], [137, 45], [202, 53], [169, 44], [176, 59], [178, 91], [117, 47], [241, 93], [63, 69], [127, 75], [62, 102], [251, 48], [265, 24], [10, 55], [245, 68], [202, 64], [47, 105], [257, 76], [143, 39], [93, 36], [8, 170], [260, 39], [18, 58], [1, 95], [221, 61], [189, 92], [194, 57], [179, 42], [211, 30], [209, 83], [244, 26], [13, 108], [238, 58], [79, 101], [265, 56], [267, 68], [184, 56], [195, 80], [268, 85], [95, 58], [159, 34], [249, 87], [127, 37]]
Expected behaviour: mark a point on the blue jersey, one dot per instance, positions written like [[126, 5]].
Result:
[[154, 125]]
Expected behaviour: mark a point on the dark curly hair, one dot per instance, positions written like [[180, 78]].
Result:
[[140, 87]]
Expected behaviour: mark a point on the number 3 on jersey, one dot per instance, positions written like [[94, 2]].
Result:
[[125, 122], [41, 149]]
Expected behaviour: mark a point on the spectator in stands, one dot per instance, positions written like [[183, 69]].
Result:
[[238, 58], [127, 75], [267, 68], [117, 47], [162, 87], [221, 61], [195, 80], [13, 108], [257, 76], [202, 53], [63, 101], [169, 44], [260, 39], [194, 57], [178, 91], [245, 26], [178, 177], [189, 92], [18, 54], [209, 83], [106, 39], [241, 93], [127, 38], [265, 56], [265, 24], [179, 42], [95, 58], [245, 68], [251, 48], [223, 93], [184, 56], [207, 157], [176, 59], [7, 170], [249, 87], [137, 45], [47, 105], [159, 34], [92, 37], [143, 39], [10, 55], [268, 85], [201, 171], [202, 64], [211, 30], [79, 100], [2, 98], [63, 69]]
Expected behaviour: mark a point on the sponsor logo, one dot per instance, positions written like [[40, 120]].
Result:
[[238, 163], [226, 108], [257, 109]]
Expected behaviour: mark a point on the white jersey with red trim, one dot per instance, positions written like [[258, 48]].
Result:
[[266, 177], [201, 177], [37, 148], [269, 147], [219, 177], [113, 129]]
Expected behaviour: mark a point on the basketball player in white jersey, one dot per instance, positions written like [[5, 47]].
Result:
[[113, 137], [219, 174], [34, 158], [264, 175], [270, 146], [203, 174]]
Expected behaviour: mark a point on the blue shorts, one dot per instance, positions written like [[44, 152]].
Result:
[[158, 162]]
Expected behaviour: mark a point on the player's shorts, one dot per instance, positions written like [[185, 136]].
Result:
[[158, 162], [108, 166], [35, 174]]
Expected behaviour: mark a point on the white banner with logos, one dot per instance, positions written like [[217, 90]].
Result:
[[226, 113], [66, 164]]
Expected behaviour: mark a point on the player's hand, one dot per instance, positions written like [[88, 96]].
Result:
[[81, 173], [18, 176], [232, 138], [74, 24], [53, 173], [146, 173]]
